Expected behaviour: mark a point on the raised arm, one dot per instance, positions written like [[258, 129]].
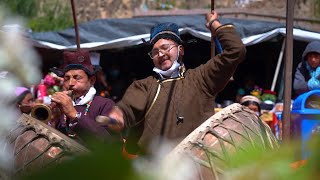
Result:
[[216, 73]]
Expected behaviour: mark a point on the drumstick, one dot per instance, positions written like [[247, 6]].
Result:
[[109, 122]]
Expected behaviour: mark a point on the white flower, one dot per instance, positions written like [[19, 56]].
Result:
[[19, 66]]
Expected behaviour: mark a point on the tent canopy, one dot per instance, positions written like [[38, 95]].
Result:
[[119, 43], [119, 33]]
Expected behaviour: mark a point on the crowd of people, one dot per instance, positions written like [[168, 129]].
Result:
[[157, 108], [152, 109], [265, 102]]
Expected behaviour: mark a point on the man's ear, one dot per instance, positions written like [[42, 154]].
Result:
[[93, 80], [181, 49]]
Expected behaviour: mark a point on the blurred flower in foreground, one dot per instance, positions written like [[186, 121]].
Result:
[[158, 167], [19, 65]]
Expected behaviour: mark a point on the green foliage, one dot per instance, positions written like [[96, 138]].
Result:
[[270, 97], [259, 164], [42, 15], [105, 161], [277, 164], [165, 4], [25, 8], [55, 17], [317, 8]]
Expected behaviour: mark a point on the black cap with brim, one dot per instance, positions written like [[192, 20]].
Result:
[[165, 30], [60, 72], [166, 35], [79, 66]]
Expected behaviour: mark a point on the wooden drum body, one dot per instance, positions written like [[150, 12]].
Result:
[[35, 145]]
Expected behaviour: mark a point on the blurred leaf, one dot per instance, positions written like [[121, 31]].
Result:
[[275, 164]]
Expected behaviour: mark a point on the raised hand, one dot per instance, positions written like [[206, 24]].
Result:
[[212, 20]]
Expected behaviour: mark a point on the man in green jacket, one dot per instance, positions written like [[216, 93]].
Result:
[[172, 103]]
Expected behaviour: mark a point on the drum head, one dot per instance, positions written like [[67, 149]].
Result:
[[231, 130]]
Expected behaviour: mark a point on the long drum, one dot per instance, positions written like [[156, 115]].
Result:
[[35, 145], [211, 145]]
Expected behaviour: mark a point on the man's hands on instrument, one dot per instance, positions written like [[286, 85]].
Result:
[[114, 120], [64, 103]]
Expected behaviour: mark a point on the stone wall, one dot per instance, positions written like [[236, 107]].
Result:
[[303, 8], [95, 9]]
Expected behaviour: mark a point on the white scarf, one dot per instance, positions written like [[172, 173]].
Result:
[[86, 98], [172, 72]]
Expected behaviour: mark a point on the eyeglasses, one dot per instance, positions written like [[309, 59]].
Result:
[[154, 53]]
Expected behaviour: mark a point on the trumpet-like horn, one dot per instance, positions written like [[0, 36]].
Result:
[[43, 112]]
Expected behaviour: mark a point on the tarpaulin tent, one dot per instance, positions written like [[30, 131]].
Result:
[[118, 33], [119, 41]]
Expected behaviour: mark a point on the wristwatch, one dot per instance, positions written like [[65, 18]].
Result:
[[74, 121], [77, 116]]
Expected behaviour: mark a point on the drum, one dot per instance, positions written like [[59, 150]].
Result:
[[211, 145], [35, 145]]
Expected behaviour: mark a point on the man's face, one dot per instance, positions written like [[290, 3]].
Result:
[[164, 53], [313, 59], [77, 81], [254, 108], [26, 104]]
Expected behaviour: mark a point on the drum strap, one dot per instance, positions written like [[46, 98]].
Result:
[[153, 101], [155, 98], [135, 131]]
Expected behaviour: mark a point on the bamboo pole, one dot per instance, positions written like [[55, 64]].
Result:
[[288, 71], [213, 45], [75, 24], [276, 73]]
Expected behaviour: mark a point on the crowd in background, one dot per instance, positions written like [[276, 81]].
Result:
[[111, 83]]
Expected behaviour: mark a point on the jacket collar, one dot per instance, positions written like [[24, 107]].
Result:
[[180, 74]]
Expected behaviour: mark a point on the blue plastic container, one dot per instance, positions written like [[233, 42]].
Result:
[[305, 118]]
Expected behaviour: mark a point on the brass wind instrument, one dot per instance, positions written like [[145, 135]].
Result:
[[46, 112]]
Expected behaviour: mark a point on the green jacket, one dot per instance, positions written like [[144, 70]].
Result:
[[151, 106]]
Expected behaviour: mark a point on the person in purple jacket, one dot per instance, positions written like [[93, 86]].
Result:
[[78, 103]]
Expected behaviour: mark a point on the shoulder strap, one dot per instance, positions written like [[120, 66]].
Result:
[[153, 101]]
